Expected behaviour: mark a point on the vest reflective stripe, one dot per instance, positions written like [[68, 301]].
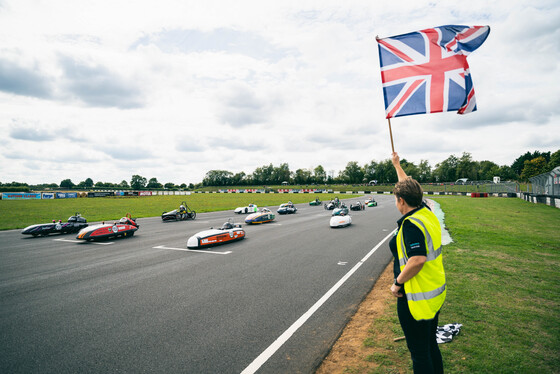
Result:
[[431, 255], [426, 295], [426, 291]]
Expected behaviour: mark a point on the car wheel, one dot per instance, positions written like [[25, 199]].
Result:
[[193, 215]]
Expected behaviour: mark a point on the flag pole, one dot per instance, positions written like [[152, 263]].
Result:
[[391, 135]]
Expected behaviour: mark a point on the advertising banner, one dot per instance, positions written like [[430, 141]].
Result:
[[144, 193], [100, 194], [66, 195], [20, 195], [47, 195]]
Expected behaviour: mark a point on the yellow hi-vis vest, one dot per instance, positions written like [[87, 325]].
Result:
[[425, 292]]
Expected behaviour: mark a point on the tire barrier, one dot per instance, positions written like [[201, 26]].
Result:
[[479, 194]]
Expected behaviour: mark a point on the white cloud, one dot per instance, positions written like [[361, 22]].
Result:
[[174, 89]]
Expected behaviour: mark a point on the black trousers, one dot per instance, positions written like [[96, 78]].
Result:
[[421, 340]]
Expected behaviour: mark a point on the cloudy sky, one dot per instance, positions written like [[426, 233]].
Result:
[[171, 89]]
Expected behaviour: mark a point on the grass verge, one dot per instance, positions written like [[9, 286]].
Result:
[[503, 277]]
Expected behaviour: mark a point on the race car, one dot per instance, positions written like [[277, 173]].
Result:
[[251, 208], [357, 206], [342, 211], [125, 227], [370, 201], [287, 208], [340, 220], [180, 214], [75, 223], [335, 203], [316, 202], [264, 216], [228, 233]]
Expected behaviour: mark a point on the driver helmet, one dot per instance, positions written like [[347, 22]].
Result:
[[182, 207]]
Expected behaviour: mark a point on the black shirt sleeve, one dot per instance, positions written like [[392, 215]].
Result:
[[414, 240]]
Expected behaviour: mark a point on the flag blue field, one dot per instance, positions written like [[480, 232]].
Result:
[[427, 71]]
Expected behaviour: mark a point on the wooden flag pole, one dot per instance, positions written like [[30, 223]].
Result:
[[391, 134]]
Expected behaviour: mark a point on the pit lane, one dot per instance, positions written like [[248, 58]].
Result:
[[147, 304]]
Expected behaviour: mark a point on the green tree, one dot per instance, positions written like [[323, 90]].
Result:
[[239, 179], [382, 172], [263, 175], [319, 175], [506, 173], [424, 172], [169, 185], [446, 171], [124, 184], [153, 183], [410, 169], [66, 183], [353, 173], [302, 176], [554, 160], [369, 171], [138, 182], [533, 168], [467, 168], [217, 178], [487, 170], [88, 183], [280, 174], [519, 163]]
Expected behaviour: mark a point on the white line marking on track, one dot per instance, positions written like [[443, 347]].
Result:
[[192, 250], [275, 346], [83, 241]]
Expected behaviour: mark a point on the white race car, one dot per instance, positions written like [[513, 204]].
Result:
[[341, 220], [229, 232], [251, 208]]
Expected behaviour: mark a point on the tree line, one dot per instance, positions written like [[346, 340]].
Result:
[[451, 169]]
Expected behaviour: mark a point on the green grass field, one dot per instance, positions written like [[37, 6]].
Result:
[[503, 275], [18, 214]]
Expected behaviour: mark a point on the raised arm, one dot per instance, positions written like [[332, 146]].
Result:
[[397, 164]]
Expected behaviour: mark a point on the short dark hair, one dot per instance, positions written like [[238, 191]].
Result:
[[410, 190]]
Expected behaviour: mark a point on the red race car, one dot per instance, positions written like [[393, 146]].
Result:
[[125, 227]]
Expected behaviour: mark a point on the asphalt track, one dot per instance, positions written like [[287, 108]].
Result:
[[274, 302]]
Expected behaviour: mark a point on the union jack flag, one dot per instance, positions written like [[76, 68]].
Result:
[[427, 72]]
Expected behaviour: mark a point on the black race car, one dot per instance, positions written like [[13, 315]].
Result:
[[357, 206], [287, 208], [180, 214], [75, 223]]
